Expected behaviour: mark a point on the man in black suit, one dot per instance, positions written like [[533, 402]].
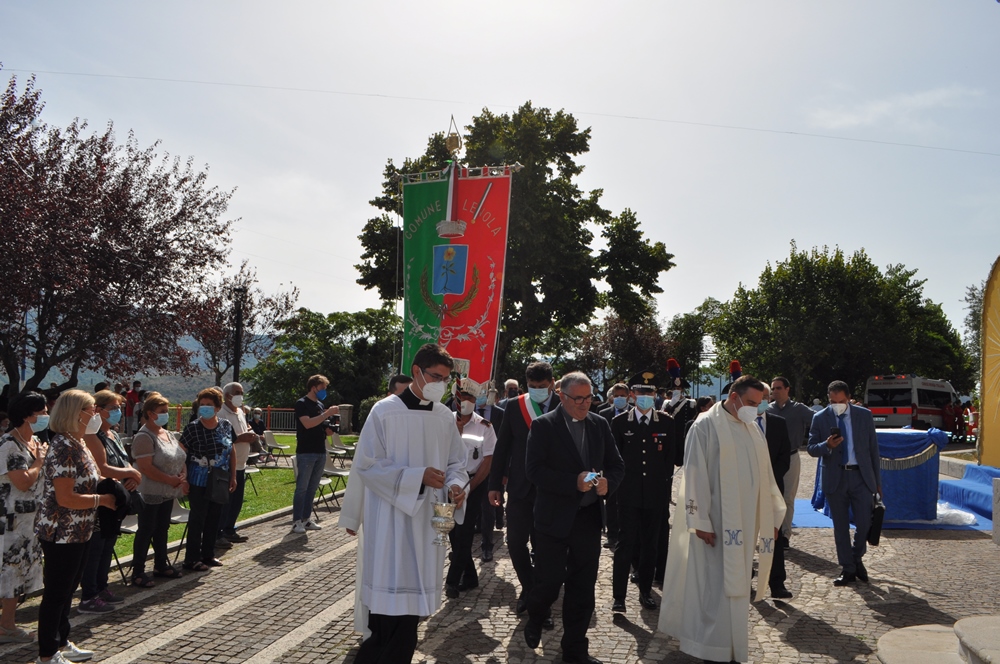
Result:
[[508, 469], [618, 405], [645, 440], [572, 460], [779, 448], [851, 475]]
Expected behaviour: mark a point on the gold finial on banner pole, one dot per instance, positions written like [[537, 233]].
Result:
[[453, 140]]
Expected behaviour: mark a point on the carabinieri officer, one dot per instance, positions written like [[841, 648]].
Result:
[[645, 439]]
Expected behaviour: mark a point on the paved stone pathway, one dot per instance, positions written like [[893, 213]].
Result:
[[289, 598]]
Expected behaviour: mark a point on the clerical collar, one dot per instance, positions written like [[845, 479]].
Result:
[[413, 402], [570, 419]]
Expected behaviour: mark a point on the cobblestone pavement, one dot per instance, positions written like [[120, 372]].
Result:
[[288, 598]]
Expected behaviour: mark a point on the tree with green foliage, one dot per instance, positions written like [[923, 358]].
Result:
[[687, 333], [820, 315], [551, 281], [614, 350], [353, 350], [973, 338]]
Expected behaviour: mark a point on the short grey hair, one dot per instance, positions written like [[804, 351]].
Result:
[[574, 378], [227, 390]]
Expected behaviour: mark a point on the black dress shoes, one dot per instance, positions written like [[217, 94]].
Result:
[[780, 592], [468, 585], [487, 556], [532, 634], [845, 579], [647, 601], [450, 591], [861, 572], [548, 624], [581, 659], [633, 577], [522, 604], [618, 606]]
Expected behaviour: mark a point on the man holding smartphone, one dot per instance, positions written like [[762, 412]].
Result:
[[843, 437]]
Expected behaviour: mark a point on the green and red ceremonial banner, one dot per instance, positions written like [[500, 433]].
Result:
[[454, 249]]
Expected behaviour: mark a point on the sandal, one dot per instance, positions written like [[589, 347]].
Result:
[[142, 581], [197, 566], [168, 573]]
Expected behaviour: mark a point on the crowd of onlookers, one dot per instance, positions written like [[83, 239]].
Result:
[[74, 466]]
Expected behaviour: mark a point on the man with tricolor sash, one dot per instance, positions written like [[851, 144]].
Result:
[[732, 506], [508, 468]]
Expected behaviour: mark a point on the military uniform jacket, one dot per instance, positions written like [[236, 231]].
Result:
[[682, 412], [648, 452]]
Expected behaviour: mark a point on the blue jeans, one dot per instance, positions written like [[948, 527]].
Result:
[[231, 510], [310, 472]]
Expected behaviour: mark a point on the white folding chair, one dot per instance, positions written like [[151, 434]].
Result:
[[130, 525], [340, 453], [250, 471], [273, 445], [331, 471]]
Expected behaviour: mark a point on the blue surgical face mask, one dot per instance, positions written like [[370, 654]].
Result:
[[320, 394], [114, 416], [644, 401], [620, 403], [480, 401], [41, 423], [206, 412], [161, 419], [538, 394], [762, 406]]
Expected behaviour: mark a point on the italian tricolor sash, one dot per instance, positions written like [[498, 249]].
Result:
[[529, 409]]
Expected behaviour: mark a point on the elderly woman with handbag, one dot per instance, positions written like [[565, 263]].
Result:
[[211, 477]]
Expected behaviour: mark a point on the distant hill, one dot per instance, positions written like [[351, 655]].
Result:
[[175, 388]]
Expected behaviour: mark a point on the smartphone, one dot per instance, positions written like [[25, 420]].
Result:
[[834, 431]]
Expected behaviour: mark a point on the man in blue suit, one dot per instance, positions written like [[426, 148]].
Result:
[[850, 467]]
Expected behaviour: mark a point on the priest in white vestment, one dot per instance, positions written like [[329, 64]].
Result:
[[732, 506], [409, 456]]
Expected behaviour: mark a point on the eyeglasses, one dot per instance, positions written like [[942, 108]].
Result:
[[433, 377], [579, 401]]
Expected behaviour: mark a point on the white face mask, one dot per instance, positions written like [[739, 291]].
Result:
[[675, 396], [237, 400], [466, 407], [94, 425], [839, 408], [747, 414], [433, 391]]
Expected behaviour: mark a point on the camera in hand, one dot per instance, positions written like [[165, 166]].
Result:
[[333, 422]]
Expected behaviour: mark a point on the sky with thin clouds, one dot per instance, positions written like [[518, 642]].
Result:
[[731, 129]]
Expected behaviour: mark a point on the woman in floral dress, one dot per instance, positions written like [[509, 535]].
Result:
[[21, 456]]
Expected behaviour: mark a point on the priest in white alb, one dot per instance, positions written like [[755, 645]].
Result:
[[733, 506], [409, 456]]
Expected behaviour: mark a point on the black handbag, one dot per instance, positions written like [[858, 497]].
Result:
[[878, 513], [218, 485]]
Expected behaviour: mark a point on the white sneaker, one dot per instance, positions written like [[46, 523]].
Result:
[[298, 528], [73, 653], [312, 525], [56, 659]]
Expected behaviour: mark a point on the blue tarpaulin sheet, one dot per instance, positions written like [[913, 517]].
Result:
[[908, 493]]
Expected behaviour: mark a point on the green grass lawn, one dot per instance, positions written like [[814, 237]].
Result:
[[275, 487]]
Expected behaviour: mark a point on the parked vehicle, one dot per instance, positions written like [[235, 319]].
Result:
[[899, 400]]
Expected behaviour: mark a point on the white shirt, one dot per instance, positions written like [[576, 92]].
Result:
[[480, 442], [240, 450]]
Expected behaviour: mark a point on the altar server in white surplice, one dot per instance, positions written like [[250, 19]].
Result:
[[732, 506], [408, 452]]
